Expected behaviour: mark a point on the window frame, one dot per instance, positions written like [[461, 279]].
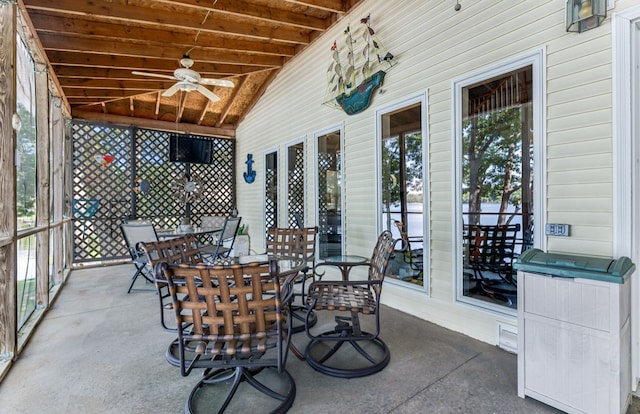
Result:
[[339, 128], [408, 101], [537, 60]]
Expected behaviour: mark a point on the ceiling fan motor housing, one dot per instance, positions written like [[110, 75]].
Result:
[[184, 74]]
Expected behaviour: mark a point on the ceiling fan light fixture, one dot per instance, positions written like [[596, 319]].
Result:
[[186, 61]]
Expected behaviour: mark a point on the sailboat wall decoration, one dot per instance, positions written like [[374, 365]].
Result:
[[357, 69]]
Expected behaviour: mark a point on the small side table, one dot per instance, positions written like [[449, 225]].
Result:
[[344, 263]]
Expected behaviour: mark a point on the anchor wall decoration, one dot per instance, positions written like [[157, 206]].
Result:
[[250, 174]]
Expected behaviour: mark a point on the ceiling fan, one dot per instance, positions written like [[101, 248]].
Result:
[[189, 80]]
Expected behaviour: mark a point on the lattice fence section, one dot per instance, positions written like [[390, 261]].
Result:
[[107, 191], [296, 186], [271, 192], [101, 186], [218, 182]]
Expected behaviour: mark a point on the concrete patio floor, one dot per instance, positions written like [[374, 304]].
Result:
[[101, 350]]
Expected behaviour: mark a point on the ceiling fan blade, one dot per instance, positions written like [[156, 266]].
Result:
[[206, 92], [172, 90], [155, 75], [217, 82]]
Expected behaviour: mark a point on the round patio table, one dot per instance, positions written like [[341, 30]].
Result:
[[343, 262]]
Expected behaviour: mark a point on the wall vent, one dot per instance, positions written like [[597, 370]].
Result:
[[508, 337]]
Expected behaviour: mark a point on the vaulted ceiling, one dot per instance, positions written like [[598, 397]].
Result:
[[92, 48]]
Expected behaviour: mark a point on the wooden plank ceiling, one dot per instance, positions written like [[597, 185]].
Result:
[[92, 48]]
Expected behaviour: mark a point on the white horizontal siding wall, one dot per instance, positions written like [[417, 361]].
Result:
[[434, 44]]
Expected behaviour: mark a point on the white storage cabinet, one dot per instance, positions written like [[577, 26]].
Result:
[[574, 340]]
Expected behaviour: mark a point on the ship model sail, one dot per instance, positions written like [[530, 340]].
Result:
[[357, 69]]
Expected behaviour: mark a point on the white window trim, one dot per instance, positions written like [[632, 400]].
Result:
[[422, 99], [340, 128], [626, 222], [537, 60], [301, 140]]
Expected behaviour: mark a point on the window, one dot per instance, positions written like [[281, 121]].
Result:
[[26, 138], [401, 129], [329, 186], [270, 190], [295, 185], [25, 183], [497, 119]]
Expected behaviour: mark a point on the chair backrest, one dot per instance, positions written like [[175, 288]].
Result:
[[177, 250], [234, 311], [229, 231], [492, 248], [293, 242], [135, 234], [215, 222], [380, 257]]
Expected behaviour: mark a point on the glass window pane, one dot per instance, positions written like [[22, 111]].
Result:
[[271, 191], [295, 184], [26, 278], [497, 184], [402, 190], [329, 195], [26, 139]]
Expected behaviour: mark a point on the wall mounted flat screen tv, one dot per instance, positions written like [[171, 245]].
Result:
[[184, 148]]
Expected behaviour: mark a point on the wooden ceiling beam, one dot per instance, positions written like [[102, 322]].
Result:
[[120, 84], [334, 6], [79, 26], [102, 93], [158, 99], [129, 63], [227, 107], [157, 17], [225, 132], [62, 42], [266, 14]]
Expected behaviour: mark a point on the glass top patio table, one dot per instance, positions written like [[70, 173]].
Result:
[[195, 231], [344, 263], [287, 265]]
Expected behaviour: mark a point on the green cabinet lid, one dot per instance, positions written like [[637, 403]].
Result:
[[568, 265]]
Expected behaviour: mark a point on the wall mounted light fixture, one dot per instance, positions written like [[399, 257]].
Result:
[[583, 15]]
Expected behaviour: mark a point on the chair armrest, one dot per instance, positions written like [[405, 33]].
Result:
[[344, 283]]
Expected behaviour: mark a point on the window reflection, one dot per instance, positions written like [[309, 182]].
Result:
[[402, 190], [497, 184], [329, 195], [26, 138]]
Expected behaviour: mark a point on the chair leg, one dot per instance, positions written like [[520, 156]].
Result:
[[373, 359], [279, 386], [140, 271]]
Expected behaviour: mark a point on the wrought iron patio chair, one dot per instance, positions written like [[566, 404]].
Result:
[[177, 250], [296, 242], [232, 322], [348, 300], [135, 233], [413, 257], [225, 240]]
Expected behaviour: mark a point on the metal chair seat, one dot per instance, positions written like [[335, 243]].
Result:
[[348, 300]]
